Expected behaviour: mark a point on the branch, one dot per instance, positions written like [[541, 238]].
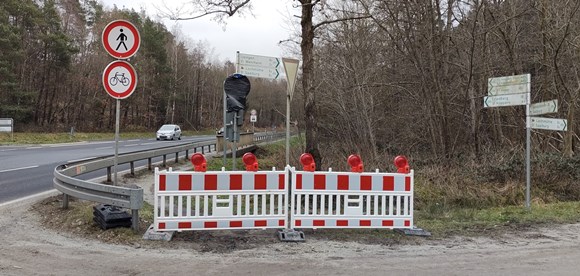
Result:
[[217, 8], [326, 22]]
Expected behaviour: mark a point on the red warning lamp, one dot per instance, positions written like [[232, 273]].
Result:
[[251, 162], [198, 162], [402, 164], [355, 163], [307, 162]]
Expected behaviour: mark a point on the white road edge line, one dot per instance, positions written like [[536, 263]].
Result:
[[133, 145], [104, 148], [16, 169], [49, 192]]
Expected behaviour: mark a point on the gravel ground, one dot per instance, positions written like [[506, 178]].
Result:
[[29, 247]]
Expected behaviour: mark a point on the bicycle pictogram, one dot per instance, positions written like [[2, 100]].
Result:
[[119, 78]]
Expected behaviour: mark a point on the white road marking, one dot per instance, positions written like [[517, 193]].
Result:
[[8, 149], [132, 145], [47, 193], [149, 143], [16, 169], [34, 148], [133, 140], [104, 148]]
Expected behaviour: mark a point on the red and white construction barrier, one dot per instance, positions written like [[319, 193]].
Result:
[[351, 200], [254, 199], [220, 200]]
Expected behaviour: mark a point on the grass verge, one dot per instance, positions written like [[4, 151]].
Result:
[[55, 138]]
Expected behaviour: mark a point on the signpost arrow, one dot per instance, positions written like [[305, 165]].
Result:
[[259, 72], [509, 80], [549, 123], [507, 89], [258, 61], [544, 107], [505, 100]]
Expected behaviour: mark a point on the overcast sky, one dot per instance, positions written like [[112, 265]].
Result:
[[258, 34]]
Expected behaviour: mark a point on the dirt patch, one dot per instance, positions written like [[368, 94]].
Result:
[[77, 221]]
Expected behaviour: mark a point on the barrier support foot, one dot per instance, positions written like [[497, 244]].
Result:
[[152, 235], [291, 235], [415, 231]]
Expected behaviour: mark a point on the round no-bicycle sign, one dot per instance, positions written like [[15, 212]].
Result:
[[119, 79], [121, 39]]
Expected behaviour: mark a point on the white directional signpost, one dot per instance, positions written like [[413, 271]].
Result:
[[258, 66], [549, 123], [270, 68], [121, 40], [505, 100], [515, 90], [544, 108]]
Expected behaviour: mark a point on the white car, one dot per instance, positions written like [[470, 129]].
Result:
[[169, 132]]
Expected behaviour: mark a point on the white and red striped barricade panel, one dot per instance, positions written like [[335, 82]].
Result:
[[351, 200], [220, 200]]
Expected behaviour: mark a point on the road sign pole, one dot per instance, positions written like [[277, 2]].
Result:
[[528, 149], [224, 131], [288, 128], [118, 111], [234, 145]]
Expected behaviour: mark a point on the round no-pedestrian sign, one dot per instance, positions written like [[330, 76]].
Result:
[[121, 39], [119, 79]]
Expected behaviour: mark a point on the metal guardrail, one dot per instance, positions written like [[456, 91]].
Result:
[[125, 197]]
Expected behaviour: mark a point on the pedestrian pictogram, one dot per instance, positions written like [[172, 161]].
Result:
[[119, 79], [121, 39]]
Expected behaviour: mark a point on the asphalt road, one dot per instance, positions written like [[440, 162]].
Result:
[[28, 170]]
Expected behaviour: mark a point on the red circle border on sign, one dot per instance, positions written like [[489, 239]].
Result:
[[129, 68], [110, 50]]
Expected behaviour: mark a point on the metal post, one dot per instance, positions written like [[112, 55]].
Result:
[[117, 140], [225, 144], [234, 147], [288, 128], [528, 145], [135, 219], [64, 201]]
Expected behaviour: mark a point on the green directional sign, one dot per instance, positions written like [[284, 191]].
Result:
[[549, 123], [508, 85], [505, 100], [258, 66], [509, 80], [259, 72], [544, 107], [258, 61]]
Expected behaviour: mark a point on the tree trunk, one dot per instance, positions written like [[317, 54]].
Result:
[[306, 46]]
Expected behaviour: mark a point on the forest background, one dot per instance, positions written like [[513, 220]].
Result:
[[385, 78]]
